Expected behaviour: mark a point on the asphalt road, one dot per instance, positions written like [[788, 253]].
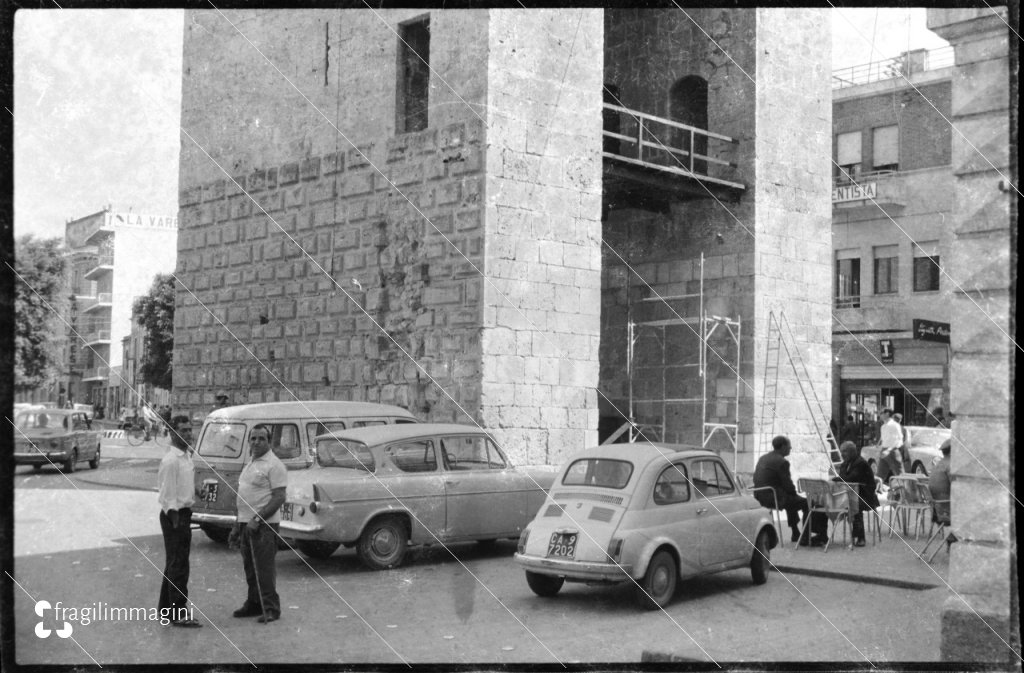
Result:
[[87, 545]]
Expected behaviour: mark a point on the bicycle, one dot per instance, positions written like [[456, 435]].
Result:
[[135, 433]]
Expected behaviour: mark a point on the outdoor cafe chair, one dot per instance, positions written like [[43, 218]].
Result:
[[776, 512], [828, 498], [910, 503], [939, 527]]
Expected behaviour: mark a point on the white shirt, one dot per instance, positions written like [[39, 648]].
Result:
[[176, 479], [892, 434], [255, 484]]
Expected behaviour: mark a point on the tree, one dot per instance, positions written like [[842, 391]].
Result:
[[40, 300], [155, 312]]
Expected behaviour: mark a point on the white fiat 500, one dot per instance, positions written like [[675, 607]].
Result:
[[647, 512]]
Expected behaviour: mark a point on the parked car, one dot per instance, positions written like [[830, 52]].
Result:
[[647, 513], [86, 409], [55, 437], [924, 448], [222, 448], [382, 489]]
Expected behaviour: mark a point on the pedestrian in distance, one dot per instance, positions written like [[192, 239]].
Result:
[[890, 441], [176, 482], [854, 470], [905, 446], [773, 470], [261, 492]]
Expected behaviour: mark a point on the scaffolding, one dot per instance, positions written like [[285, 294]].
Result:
[[709, 325]]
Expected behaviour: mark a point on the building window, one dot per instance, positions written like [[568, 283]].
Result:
[[848, 155], [413, 75], [885, 150], [887, 269], [847, 287], [926, 266]]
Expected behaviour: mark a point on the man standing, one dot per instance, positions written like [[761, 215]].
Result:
[[773, 470], [176, 480], [261, 492], [890, 440]]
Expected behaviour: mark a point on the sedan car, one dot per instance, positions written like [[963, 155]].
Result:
[[924, 448], [380, 489], [646, 513], [55, 437]]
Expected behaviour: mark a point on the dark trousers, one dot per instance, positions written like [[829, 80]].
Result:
[[177, 545], [259, 550], [796, 508]]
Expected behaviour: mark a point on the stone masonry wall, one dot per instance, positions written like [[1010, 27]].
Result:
[[318, 296], [658, 254], [981, 620], [543, 234], [793, 242]]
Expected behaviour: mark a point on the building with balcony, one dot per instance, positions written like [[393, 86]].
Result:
[[113, 258], [892, 199]]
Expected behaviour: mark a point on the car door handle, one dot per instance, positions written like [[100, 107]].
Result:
[[702, 510]]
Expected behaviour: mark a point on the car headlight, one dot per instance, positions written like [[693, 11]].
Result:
[[523, 537]]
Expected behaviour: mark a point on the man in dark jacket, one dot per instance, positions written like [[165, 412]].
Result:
[[856, 471], [773, 470]]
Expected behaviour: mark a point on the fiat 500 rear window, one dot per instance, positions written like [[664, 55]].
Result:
[[602, 472]]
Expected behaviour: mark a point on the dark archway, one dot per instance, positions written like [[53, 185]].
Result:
[[688, 104], [612, 119]]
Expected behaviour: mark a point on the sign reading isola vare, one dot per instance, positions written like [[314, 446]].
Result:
[[140, 220], [865, 190]]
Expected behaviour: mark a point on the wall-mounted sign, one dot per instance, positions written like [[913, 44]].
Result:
[[887, 351], [865, 190], [137, 220], [928, 330]]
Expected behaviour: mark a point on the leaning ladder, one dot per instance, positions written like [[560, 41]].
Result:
[[780, 336]]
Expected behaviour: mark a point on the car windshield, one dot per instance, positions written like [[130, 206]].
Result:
[[222, 440], [340, 453], [38, 420], [602, 472], [931, 437]]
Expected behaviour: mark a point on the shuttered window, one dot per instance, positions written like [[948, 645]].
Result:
[[887, 269], [885, 148]]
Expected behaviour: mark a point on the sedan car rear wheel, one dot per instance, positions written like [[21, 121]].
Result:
[[95, 462], [760, 562], [919, 468], [544, 585], [659, 583], [69, 464], [317, 548], [383, 543]]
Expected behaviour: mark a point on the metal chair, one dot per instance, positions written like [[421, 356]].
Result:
[[828, 498], [871, 516], [910, 503], [776, 512], [939, 525]]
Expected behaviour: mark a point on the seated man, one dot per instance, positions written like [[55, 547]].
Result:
[[939, 484], [855, 470], [773, 470]]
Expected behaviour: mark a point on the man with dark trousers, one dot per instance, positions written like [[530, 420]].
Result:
[[176, 481], [773, 470], [261, 492]]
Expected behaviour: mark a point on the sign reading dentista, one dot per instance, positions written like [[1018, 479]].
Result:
[[865, 190], [139, 220]]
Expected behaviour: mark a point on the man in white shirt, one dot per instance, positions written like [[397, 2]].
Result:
[[890, 441], [176, 481], [261, 492]]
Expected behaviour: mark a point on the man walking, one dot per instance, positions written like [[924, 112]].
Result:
[[773, 470], [176, 481], [890, 441], [261, 492]]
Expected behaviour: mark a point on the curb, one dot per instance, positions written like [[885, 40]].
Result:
[[853, 577]]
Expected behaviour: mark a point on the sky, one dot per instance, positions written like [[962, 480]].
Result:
[[97, 97]]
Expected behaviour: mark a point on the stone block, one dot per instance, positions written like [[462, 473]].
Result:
[[309, 169], [979, 569], [288, 174], [982, 384], [333, 163], [981, 449], [356, 183], [982, 262]]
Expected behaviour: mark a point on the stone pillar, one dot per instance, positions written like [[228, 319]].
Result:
[[793, 222], [979, 620], [542, 266]]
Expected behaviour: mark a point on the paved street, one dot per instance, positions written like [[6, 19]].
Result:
[[92, 543]]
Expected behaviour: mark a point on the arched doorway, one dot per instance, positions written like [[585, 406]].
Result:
[[688, 104]]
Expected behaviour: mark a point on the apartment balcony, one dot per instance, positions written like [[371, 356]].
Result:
[[649, 162], [104, 265], [97, 374], [904, 65], [103, 300], [96, 337]]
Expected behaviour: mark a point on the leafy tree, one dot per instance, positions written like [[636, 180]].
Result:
[[40, 298], [155, 312]]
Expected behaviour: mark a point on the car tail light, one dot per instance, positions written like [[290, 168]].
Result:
[[614, 549], [313, 507], [523, 537]]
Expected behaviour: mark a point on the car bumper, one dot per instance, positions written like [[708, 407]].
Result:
[[575, 570], [226, 520], [301, 531], [40, 458]]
